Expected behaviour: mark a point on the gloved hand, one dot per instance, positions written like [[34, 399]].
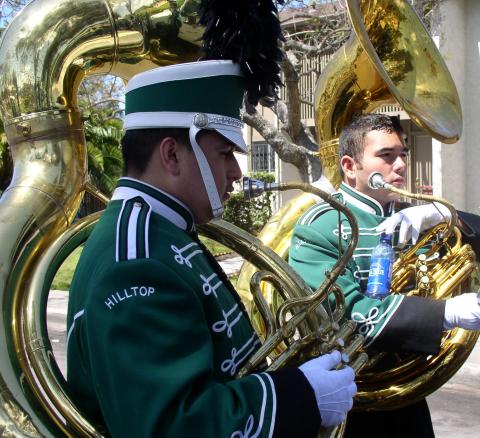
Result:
[[462, 311], [414, 220], [334, 390]]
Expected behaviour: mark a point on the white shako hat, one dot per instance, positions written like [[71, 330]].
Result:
[[205, 95]]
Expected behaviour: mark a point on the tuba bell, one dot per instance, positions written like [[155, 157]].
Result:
[[389, 58]]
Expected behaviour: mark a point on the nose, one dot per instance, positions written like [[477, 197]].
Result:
[[400, 165], [235, 172]]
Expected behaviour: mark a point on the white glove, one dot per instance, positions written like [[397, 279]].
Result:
[[414, 220], [462, 311], [334, 389]]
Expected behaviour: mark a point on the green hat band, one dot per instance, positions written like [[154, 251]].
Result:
[[199, 95]]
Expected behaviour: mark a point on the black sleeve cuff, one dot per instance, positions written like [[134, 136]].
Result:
[[416, 326], [297, 411]]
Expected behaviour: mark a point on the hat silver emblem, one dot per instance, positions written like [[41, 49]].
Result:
[[200, 120]]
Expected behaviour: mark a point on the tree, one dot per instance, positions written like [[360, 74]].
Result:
[[101, 100], [8, 9], [312, 29]]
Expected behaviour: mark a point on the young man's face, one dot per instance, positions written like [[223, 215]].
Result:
[[225, 169], [385, 153]]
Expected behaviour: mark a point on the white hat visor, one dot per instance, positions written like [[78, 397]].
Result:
[[228, 127]]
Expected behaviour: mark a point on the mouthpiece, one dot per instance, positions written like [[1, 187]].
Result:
[[376, 181], [252, 188]]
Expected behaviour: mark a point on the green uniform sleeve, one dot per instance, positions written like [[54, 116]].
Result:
[[149, 352]]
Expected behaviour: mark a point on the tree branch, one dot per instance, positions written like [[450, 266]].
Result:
[[290, 152], [311, 50]]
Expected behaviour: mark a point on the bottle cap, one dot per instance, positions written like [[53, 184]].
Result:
[[387, 238]]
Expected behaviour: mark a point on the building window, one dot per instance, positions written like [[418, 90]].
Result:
[[263, 157]]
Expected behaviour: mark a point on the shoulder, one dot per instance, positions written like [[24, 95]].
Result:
[[141, 233], [132, 242], [321, 213], [134, 289], [132, 229]]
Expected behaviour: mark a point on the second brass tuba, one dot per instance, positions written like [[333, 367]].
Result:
[[390, 58], [438, 266]]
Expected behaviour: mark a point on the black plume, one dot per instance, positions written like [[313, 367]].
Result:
[[248, 33]]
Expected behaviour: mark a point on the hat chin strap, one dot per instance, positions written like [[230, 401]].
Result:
[[206, 172]]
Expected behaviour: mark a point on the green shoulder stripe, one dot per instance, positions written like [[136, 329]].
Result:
[[314, 213]]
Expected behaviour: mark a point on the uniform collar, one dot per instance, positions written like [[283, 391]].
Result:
[[161, 202], [364, 202]]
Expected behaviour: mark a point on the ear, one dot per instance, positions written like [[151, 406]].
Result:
[[349, 167], [169, 155]]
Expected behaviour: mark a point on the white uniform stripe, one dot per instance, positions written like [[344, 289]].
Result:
[[125, 193], [274, 405], [76, 316], [117, 244], [147, 227], [264, 405], [132, 232], [307, 215], [314, 212]]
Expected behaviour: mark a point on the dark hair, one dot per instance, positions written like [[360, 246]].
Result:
[[352, 138], [138, 146]]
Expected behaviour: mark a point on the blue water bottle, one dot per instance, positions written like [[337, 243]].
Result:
[[380, 274]]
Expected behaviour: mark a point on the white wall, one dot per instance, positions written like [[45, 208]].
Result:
[[242, 162], [452, 163], [287, 173], [471, 108], [460, 46]]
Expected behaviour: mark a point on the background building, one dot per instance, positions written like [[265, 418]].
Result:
[[456, 167], [447, 170]]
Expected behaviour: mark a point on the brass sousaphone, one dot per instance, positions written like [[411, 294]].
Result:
[[389, 59], [45, 53]]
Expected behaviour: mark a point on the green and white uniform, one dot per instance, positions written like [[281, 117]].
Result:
[[156, 333], [398, 323]]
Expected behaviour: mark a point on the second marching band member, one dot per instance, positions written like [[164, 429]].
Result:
[[375, 143]]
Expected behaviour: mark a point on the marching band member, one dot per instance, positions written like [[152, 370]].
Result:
[[375, 143], [156, 332]]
